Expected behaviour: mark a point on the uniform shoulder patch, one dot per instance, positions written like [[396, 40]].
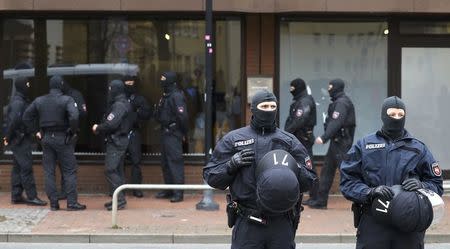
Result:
[[299, 113], [436, 169], [180, 109], [308, 162], [110, 117], [244, 142], [335, 115], [75, 104], [84, 107]]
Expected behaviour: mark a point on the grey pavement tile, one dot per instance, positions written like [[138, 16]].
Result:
[[20, 220]]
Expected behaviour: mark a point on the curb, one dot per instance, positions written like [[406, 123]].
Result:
[[179, 238]]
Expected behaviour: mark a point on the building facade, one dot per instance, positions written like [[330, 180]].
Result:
[[379, 48]]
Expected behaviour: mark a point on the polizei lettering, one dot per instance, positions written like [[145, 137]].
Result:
[[375, 146], [244, 142]]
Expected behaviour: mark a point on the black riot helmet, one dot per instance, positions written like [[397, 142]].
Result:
[[393, 127], [22, 85], [408, 211], [335, 87], [168, 81], [263, 119], [277, 186], [56, 82], [299, 86]]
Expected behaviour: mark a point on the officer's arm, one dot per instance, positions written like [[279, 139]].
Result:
[[30, 116], [14, 117], [72, 113], [215, 172], [299, 118], [352, 184], [82, 109], [113, 119], [430, 173], [336, 121], [307, 176], [181, 112], [144, 111]]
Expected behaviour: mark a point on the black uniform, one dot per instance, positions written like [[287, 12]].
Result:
[[339, 129], [379, 161], [172, 114], [82, 111], [232, 165], [116, 126], [302, 118], [141, 113], [19, 140], [57, 115]]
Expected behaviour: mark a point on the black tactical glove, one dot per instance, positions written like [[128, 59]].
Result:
[[412, 184], [242, 158], [383, 192]]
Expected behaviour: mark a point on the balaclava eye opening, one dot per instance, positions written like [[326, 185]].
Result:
[[392, 127], [130, 89], [168, 81], [263, 119], [338, 87], [299, 86], [21, 86]]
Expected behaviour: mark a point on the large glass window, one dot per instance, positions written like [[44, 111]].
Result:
[[318, 52], [425, 90], [90, 53]]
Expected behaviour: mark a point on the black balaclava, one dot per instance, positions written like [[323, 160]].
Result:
[[22, 86], [56, 82], [130, 89], [338, 87], [66, 88], [263, 119], [299, 85], [116, 88], [168, 81], [392, 127]]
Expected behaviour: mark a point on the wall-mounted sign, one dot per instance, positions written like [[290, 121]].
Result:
[[255, 83]]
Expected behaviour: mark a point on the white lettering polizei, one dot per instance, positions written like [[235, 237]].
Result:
[[244, 142], [375, 146]]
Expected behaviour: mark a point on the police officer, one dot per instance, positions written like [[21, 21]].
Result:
[[302, 119], [116, 127], [391, 156], [339, 129], [82, 111], [172, 114], [141, 112], [19, 140], [233, 164], [58, 117]]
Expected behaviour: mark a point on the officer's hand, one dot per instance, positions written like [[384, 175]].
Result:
[[39, 135], [94, 128], [383, 192], [242, 158], [319, 140], [412, 184], [5, 141]]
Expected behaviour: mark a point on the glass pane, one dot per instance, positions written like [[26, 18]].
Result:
[[425, 90], [319, 52], [436, 28], [18, 56]]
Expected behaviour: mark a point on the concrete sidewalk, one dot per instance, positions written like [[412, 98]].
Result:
[[150, 220]]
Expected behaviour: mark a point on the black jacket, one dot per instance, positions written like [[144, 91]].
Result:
[[340, 121]]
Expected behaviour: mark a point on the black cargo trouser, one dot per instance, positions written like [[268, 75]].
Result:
[[333, 159], [114, 158], [55, 149], [309, 145], [172, 157], [135, 154], [22, 177], [279, 233], [372, 235]]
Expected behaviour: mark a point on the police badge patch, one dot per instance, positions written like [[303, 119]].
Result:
[[308, 162], [299, 113], [110, 117], [335, 115], [180, 109], [436, 170]]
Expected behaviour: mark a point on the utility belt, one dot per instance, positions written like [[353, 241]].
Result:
[[306, 134], [117, 138], [343, 133], [169, 127], [358, 210]]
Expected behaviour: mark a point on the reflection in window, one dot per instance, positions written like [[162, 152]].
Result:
[[112, 48]]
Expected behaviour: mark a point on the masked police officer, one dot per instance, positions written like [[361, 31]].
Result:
[[19, 140], [116, 127], [391, 156], [141, 112], [233, 164], [302, 119], [82, 111], [339, 130], [172, 114], [58, 117]]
